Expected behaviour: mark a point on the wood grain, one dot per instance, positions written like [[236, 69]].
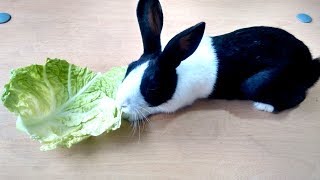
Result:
[[209, 140]]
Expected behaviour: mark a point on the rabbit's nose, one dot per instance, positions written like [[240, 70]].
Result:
[[126, 103]]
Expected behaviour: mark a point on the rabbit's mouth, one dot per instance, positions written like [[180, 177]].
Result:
[[135, 114]]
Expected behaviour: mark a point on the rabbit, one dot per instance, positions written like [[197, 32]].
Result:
[[265, 65]]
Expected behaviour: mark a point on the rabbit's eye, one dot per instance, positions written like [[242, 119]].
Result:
[[152, 90]]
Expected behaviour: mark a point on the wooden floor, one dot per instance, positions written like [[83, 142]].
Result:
[[209, 140]]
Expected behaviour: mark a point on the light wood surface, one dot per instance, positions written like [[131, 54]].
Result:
[[209, 140]]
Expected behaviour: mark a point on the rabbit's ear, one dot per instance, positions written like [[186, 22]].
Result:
[[150, 18], [181, 46]]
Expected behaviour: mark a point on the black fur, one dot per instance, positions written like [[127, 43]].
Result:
[[150, 18], [158, 84], [264, 64]]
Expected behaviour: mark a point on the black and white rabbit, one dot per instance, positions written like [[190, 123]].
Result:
[[266, 65]]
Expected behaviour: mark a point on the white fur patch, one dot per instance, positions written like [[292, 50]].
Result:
[[263, 107]]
